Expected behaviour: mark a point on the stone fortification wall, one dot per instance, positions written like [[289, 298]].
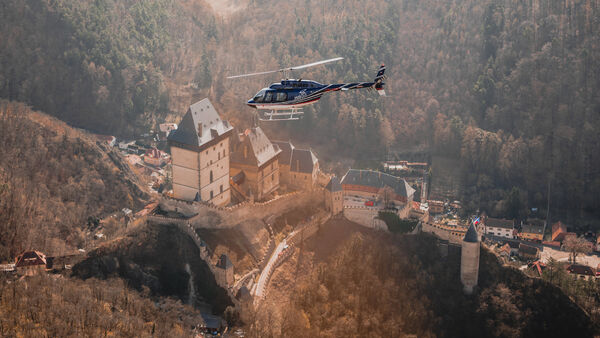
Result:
[[205, 254], [452, 236], [303, 232], [205, 215], [364, 216]]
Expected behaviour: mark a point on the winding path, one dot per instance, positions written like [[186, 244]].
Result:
[[263, 280]]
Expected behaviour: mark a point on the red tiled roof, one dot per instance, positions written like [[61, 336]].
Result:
[[559, 229], [539, 266], [581, 270]]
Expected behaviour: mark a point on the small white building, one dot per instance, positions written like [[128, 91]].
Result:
[[165, 129], [499, 227]]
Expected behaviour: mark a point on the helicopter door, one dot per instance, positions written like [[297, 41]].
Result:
[[268, 97], [281, 96]]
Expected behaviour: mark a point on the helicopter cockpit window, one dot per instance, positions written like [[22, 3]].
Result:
[[281, 96], [259, 96], [268, 97]]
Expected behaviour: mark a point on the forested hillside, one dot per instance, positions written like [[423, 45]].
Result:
[[99, 65], [379, 286], [508, 88], [53, 306], [52, 180]]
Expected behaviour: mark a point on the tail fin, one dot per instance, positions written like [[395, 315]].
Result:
[[378, 81]]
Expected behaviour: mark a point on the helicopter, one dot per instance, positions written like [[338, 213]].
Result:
[[284, 100]]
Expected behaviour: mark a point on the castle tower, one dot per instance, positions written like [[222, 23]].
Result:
[[200, 155], [469, 262], [334, 196]]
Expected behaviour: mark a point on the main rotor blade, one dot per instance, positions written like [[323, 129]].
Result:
[[289, 68], [253, 74], [316, 63]]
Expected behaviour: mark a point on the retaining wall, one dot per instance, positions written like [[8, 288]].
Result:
[[205, 215]]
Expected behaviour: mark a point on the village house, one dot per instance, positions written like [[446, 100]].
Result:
[[164, 129], [510, 248], [255, 163], [581, 271], [559, 231], [155, 157], [200, 156], [528, 252], [30, 262], [532, 230], [370, 184], [538, 267], [299, 167], [334, 196], [499, 227], [211, 324]]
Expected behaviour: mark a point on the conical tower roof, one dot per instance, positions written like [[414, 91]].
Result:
[[471, 235]]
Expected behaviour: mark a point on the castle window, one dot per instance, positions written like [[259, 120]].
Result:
[[221, 188], [219, 155], [211, 195], [211, 178]]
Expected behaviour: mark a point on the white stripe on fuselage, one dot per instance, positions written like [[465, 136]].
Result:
[[282, 106]]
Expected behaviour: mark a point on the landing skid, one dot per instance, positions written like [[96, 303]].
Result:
[[292, 114]]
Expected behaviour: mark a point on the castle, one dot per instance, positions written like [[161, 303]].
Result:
[[200, 156]]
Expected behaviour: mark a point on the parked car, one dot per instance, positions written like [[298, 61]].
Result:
[[369, 203]]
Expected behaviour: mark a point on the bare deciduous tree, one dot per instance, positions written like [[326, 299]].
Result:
[[576, 245]]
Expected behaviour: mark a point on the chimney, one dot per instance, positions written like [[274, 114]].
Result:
[[297, 165], [199, 129], [245, 151], [360, 174]]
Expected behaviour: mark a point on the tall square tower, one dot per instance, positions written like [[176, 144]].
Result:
[[200, 155]]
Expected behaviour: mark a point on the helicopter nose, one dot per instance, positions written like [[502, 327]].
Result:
[[251, 103]]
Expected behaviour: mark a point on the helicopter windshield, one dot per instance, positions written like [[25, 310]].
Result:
[[259, 96]]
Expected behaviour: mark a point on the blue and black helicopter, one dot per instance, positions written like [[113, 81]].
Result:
[[283, 101]]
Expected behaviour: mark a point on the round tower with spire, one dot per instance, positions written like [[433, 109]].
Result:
[[469, 262]]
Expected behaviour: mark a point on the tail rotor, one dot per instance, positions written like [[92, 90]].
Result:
[[378, 81]]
